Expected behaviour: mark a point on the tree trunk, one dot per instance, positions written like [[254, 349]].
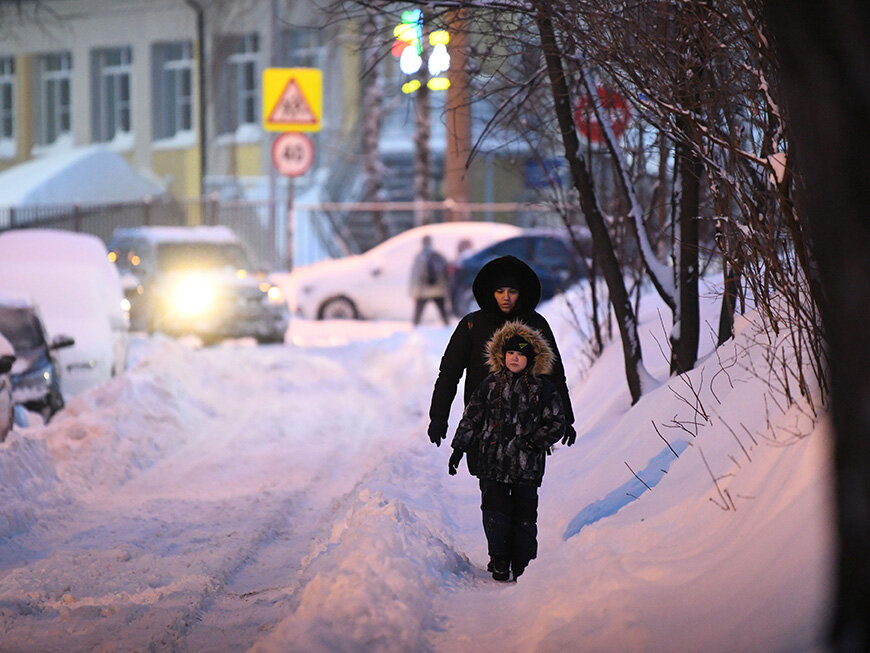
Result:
[[422, 155], [373, 111], [589, 203], [823, 48], [457, 149], [684, 342]]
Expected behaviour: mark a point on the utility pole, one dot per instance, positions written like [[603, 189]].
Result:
[[458, 146]]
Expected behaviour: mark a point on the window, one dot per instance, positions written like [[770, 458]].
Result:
[[55, 96], [302, 47], [173, 89], [7, 99], [241, 84], [111, 88]]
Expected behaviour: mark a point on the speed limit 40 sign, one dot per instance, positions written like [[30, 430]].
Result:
[[292, 154]]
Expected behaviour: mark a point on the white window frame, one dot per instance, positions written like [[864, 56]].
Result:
[[176, 104], [243, 66], [55, 96], [303, 47], [7, 100], [114, 91]]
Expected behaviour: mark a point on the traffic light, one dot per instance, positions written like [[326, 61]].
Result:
[[408, 48]]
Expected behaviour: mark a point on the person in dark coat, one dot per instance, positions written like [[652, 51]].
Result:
[[506, 289], [429, 280], [512, 419]]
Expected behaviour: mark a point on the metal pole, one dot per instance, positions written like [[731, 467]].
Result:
[[291, 183]]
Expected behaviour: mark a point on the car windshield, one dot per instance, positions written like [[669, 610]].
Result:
[[20, 327], [193, 255]]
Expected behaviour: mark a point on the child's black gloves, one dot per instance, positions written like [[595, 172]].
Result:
[[453, 463], [569, 436]]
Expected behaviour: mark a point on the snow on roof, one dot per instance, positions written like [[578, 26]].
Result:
[[50, 244], [199, 234], [91, 174]]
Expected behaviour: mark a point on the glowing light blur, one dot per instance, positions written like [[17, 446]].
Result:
[[193, 297]]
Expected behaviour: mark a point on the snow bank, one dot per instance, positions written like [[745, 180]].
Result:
[[287, 498]]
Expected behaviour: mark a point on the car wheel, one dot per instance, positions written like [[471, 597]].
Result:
[[338, 308]]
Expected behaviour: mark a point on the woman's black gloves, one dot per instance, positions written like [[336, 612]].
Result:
[[569, 436], [453, 463]]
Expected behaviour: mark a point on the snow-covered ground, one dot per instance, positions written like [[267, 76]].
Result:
[[285, 498]]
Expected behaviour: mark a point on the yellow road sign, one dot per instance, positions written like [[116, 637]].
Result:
[[292, 99]]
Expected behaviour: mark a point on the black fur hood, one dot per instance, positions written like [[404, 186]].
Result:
[[487, 279], [544, 356]]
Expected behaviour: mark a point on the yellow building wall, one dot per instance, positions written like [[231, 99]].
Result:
[[247, 159], [181, 167], [23, 122]]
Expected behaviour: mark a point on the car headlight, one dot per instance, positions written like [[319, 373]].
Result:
[[193, 297], [273, 293]]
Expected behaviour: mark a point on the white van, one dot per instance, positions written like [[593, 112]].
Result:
[[78, 292]]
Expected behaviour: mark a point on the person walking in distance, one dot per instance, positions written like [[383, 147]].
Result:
[[429, 280]]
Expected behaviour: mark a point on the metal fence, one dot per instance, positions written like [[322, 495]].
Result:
[[276, 239]]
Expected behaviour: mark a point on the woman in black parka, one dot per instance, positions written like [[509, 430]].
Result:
[[506, 289]]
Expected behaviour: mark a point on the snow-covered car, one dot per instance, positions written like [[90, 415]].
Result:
[[196, 281], [36, 372], [7, 406], [69, 278], [374, 285], [550, 252]]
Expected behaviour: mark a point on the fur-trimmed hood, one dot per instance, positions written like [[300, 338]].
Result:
[[544, 356]]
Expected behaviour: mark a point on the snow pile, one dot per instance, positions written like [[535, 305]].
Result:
[[84, 174], [287, 498]]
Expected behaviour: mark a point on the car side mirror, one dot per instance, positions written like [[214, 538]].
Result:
[[6, 363], [60, 342]]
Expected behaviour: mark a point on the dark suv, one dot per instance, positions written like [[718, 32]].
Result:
[[196, 280], [550, 252], [36, 373]]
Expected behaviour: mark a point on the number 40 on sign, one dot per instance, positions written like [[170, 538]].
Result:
[[292, 154]]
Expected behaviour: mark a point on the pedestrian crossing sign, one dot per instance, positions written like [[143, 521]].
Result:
[[292, 99]]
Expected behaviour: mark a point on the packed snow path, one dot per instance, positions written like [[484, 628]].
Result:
[[286, 498]]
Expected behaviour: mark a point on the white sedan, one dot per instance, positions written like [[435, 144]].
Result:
[[375, 285]]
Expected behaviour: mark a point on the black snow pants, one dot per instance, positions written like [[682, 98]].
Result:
[[510, 521]]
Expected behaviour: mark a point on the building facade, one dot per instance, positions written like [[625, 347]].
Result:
[[173, 85]]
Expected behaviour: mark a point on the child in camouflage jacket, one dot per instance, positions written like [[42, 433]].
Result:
[[512, 419]]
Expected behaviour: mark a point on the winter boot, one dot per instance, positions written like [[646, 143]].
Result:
[[501, 569]]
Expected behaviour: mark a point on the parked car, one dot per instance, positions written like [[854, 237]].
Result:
[[69, 278], [374, 285], [36, 371], [551, 254], [196, 281], [7, 405]]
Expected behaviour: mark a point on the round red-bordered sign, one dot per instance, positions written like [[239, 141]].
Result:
[[613, 103], [292, 154]]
